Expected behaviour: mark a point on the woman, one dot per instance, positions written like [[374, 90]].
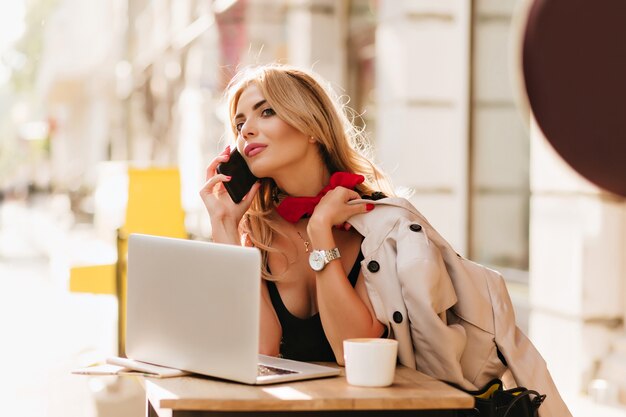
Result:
[[294, 138], [452, 318]]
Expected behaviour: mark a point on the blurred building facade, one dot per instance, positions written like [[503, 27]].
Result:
[[143, 80]]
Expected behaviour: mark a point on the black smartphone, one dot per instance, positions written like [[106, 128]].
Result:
[[242, 179]]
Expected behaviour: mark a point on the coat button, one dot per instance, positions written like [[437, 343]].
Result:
[[415, 227], [373, 266], [397, 317]]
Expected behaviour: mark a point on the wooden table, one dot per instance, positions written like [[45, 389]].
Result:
[[412, 394]]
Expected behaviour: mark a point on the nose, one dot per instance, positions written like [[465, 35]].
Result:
[[248, 129]]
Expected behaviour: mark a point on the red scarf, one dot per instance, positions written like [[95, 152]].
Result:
[[293, 209]]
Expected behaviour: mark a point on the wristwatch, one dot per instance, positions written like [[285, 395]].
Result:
[[319, 258]]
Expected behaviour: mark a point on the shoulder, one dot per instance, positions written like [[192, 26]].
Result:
[[389, 214], [398, 206]]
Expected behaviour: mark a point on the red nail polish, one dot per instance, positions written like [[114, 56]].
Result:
[[369, 207]]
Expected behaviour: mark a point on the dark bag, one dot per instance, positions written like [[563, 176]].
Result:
[[493, 401]]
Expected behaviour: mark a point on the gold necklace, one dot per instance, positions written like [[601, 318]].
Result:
[[307, 244]]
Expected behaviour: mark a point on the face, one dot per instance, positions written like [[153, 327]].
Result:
[[269, 145]]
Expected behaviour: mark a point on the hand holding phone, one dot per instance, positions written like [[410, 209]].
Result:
[[242, 178]]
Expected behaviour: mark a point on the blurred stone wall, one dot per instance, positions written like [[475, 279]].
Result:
[[141, 82]]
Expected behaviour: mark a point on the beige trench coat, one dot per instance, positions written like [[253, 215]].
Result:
[[449, 315]]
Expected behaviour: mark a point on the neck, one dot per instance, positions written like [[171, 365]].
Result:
[[304, 183]]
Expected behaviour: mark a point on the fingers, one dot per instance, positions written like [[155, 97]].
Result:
[[361, 208], [247, 199], [222, 157], [345, 204], [209, 186], [343, 193], [357, 209], [338, 205], [351, 194]]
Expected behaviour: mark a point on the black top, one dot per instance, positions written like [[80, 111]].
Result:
[[304, 339]]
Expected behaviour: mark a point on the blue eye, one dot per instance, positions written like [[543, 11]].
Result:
[[268, 112]]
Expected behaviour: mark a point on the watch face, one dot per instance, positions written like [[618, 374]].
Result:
[[316, 260]]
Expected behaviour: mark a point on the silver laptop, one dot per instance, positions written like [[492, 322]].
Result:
[[194, 306]]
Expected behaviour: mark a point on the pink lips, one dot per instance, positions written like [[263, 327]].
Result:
[[253, 148]]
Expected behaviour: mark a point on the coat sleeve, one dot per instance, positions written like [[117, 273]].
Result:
[[428, 292]]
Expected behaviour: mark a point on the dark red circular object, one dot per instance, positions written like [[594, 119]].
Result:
[[574, 65]]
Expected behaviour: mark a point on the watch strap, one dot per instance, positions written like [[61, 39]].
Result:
[[331, 255]]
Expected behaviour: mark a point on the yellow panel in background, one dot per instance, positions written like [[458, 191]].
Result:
[[154, 203], [95, 279], [154, 207]]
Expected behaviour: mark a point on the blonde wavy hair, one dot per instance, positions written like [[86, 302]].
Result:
[[299, 98]]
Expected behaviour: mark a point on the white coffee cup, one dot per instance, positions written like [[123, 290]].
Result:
[[370, 362]]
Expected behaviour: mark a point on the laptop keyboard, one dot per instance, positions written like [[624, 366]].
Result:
[[264, 370]]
